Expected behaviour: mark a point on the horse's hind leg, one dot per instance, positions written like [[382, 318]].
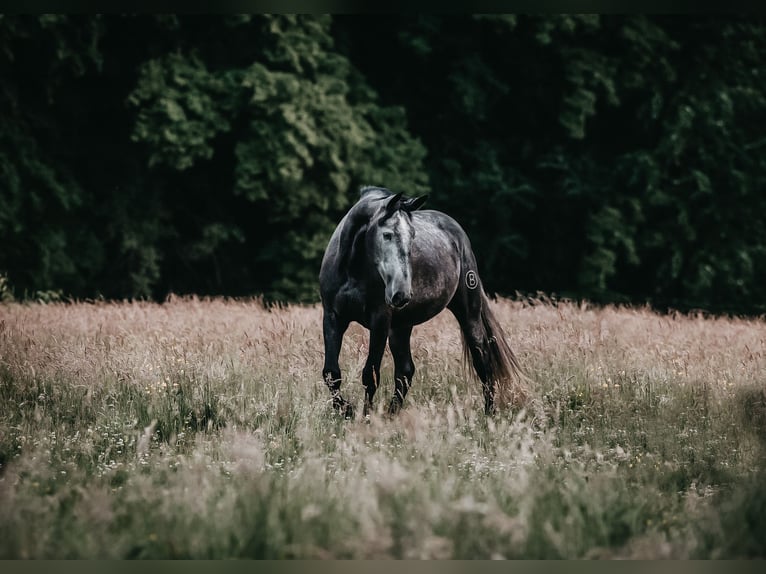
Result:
[[404, 368], [333, 329], [468, 314], [479, 350]]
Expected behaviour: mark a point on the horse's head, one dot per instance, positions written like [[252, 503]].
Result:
[[389, 242]]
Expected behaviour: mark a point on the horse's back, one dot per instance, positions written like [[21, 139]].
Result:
[[439, 239]]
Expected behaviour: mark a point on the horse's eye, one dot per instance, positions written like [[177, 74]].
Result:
[[388, 236]]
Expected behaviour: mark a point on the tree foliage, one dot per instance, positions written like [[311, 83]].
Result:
[[293, 127], [608, 157], [615, 158]]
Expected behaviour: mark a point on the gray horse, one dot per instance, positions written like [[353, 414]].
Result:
[[390, 267]]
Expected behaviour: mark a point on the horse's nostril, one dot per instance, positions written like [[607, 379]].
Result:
[[399, 299]]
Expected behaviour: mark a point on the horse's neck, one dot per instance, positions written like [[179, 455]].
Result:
[[351, 248], [358, 256]]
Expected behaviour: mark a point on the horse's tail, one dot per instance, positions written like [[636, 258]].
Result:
[[503, 368]]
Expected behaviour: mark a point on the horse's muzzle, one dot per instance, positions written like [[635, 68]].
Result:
[[399, 300]]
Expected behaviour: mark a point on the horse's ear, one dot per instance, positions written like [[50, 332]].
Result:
[[393, 203], [415, 203]]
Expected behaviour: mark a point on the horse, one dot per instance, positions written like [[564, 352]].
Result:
[[390, 266]]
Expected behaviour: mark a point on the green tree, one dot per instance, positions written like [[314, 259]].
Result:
[[607, 157], [213, 157], [40, 198], [77, 211], [614, 158], [293, 129]]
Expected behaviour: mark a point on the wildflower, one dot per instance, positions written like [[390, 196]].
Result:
[[310, 511]]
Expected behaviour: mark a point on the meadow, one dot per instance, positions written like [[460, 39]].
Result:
[[202, 429]]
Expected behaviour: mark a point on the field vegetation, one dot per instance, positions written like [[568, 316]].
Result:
[[202, 429]]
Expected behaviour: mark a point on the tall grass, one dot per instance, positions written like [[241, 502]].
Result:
[[202, 429]]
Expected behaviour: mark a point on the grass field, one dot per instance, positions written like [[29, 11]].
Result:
[[202, 429]]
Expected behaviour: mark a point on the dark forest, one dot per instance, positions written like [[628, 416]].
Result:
[[609, 158]]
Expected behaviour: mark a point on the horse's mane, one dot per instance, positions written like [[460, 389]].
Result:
[[366, 189]]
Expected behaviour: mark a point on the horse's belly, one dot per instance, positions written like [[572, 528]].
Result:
[[431, 292], [416, 314]]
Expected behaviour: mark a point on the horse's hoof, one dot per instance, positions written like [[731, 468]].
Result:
[[394, 408], [343, 408], [347, 410]]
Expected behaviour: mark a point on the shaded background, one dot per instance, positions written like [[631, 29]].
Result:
[[602, 157]]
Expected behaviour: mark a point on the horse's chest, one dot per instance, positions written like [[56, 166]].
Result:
[[350, 302]]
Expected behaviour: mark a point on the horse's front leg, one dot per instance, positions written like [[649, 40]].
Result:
[[333, 329], [404, 367], [379, 325]]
